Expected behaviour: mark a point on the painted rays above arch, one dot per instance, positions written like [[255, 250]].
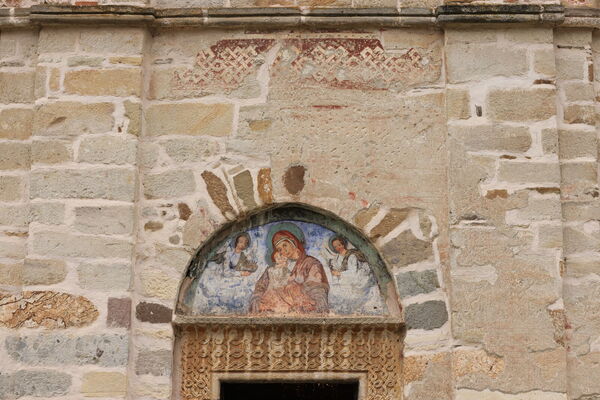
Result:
[[288, 260]]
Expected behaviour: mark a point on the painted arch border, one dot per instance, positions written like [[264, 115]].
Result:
[[301, 212]]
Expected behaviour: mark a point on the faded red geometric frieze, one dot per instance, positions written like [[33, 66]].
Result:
[[350, 63], [223, 66]]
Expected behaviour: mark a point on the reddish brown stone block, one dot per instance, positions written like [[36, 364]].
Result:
[[119, 313], [153, 313], [293, 180], [218, 193]]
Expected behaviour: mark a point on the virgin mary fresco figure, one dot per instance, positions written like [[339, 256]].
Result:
[[294, 282]]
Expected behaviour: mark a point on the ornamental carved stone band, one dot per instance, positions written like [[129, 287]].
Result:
[[373, 351]]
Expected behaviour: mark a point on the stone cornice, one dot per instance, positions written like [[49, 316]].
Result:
[[282, 17]]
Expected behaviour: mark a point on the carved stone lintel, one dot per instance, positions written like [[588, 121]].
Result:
[[371, 354]]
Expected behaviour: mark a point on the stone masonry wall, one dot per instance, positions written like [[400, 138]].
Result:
[[467, 155]]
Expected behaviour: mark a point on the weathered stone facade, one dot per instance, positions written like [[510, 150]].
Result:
[[460, 139]]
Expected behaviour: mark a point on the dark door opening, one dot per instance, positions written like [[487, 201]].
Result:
[[344, 390]]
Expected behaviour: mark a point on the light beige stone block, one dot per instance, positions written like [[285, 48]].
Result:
[[109, 82], [43, 271], [51, 151], [573, 37], [473, 62], [105, 220], [11, 274], [580, 114], [61, 244], [106, 40], [579, 172], [57, 40], [571, 64], [108, 150], [190, 119], [578, 91], [158, 284], [104, 384], [14, 215], [133, 112], [544, 62], [494, 137], [11, 188], [192, 149], [170, 184], [521, 104], [47, 213], [458, 103], [70, 118], [528, 172], [104, 277], [16, 87], [577, 143], [15, 155], [16, 123], [110, 184]]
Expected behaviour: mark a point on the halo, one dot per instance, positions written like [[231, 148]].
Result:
[[237, 235], [338, 237], [282, 226]]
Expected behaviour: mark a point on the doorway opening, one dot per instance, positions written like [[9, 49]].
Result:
[[323, 390]]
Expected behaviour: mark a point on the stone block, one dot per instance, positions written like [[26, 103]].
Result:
[[57, 40], [126, 60], [51, 151], [60, 244], [578, 91], [570, 37], [217, 190], [109, 184], [43, 271], [84, 61], [169, 184], [47, 213], [550, 141], [406, 249], [15, 155], [107, 150], [467, 62], [528, 172], [104, 384], [571, 64], [429, 315], [577, 211], [11, 188], [192, 149], [118, 313], [104, 277], [108, 82], [16, 215], [40, 383], [468, 394], [104, 350], [529, 35], [537, 209], [12, 247], [153, 313], [458, 104], [521, 104], [11, 274], [550, 236], [190, 119], [105, 220], [579, 172], [105, 40], [158, 284], [399, 40], [154, 362], [580, 114], [496, 137], [577, 143], [48, 309], [17, 87], [16, 123], [544, 62], [133, 112], [416, 282], [70, 118]]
